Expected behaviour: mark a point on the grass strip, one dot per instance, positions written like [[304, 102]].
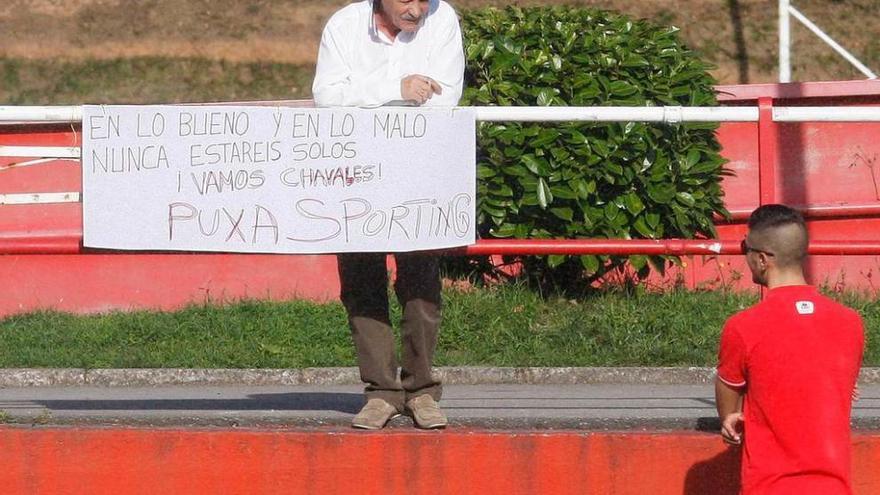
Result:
[[149, 80], [499, 326]]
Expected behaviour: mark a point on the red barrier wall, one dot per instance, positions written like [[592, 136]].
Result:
[[815, 164], [98, 282], [134, 461]]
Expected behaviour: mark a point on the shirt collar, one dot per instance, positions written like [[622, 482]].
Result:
[[789, 289], [373, 29]]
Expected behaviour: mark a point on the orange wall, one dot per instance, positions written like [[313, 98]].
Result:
[[94, 461]]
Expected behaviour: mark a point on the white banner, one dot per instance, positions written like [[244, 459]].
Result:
[[278, 180]]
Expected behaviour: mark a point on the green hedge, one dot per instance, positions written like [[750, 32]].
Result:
[[574, 180]]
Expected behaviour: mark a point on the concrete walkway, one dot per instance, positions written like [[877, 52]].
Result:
[[493, 406]]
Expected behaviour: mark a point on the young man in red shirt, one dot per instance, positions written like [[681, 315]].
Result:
[[787, 369]]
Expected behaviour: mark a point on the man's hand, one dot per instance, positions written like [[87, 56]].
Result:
[[728, 401], [856, 393], [731, 428], [419, 88]]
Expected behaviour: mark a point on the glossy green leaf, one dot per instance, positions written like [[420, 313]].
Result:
[[693, 157], [638, 262], [544, 195], [545, 96], [555, 260], [566, 214], [590, 263], [532, 164], [545, 137], [634, 203], [484, 172], [686, 198], [505, 230]]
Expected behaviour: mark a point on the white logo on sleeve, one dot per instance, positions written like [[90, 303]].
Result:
[[805, 307]]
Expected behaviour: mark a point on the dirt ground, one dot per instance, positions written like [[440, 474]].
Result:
[[739, 36]]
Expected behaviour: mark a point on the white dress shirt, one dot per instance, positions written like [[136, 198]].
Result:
[[359, 66]]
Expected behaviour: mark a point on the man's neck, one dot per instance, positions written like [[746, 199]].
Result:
[[383, 23], [785, 279]]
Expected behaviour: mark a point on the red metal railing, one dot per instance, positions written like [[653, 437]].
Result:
[[814, 212], [71, 243], [672, 247]]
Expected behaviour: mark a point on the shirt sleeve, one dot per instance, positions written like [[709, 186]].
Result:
[[334, 84], [446, 61], [732, 357]]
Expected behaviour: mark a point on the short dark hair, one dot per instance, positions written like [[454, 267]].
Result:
[[769, 216], [771, 226]]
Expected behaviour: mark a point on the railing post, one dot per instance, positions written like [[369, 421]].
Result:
[[768, 151], [784, 41]]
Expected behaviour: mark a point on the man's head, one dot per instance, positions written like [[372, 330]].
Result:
[[402, 15], [776, 243]]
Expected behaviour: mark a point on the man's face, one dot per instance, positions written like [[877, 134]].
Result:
[[405, 15], [757, 260]]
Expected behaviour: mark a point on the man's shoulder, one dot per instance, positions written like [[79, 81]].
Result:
[[444, 8], [840, 310], [744, 315], [745, 322], [444, 12], [349, 14]]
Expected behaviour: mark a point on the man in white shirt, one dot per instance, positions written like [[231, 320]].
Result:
[[392, 52]]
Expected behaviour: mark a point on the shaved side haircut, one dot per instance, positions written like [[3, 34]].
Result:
[[779, 230]]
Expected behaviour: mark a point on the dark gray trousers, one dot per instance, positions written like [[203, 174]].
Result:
[[364, 292]]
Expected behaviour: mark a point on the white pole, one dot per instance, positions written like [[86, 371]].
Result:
[[669, 114], [784, 41], [833, 44], [518, 114], [39, 198], [825, 114], [41, 114], [40, 151], [617, 114]]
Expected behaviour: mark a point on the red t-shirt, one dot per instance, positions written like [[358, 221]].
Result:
[[797, 353]]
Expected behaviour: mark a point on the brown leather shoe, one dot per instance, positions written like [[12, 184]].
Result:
[[426, 412], [375, 415]]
